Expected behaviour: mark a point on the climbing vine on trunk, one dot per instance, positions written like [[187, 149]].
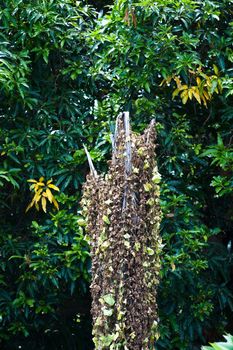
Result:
[[123, 219]]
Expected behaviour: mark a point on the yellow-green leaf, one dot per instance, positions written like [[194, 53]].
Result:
[[173, 266], [185, 99], [196, 94], [156, 178], [178, 82], [208, 81], [49, 195], [198, 80], [150, 251], [81, 222], [184, 96], [190, 93], [107, 312], [207, 96], [184, 93], [37, 197], [175, 93], [29, 206], [108, 298], [53, 187], [106, 220], [38, 194], [147, 187], [43, 203], [215, 69], [204, 100], [183, 87], [163, 82], [55, 203]]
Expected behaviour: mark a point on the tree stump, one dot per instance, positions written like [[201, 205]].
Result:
[[123, 218]]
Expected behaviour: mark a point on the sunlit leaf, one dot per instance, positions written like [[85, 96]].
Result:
[[43, 203], [196, 94], [53, 187], [55, 203], [49, 195]]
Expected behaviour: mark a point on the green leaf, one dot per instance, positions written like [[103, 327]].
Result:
[[109, 299], [106, 220], [147, 187], [81, 222], [107, 312]]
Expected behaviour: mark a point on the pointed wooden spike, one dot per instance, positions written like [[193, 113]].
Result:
[[91, 165], [152, 123], [150, 130], [128, 165], [117, 126], [113, 142], [115, 136]]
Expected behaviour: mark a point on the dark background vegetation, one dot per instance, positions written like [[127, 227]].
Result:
[[66, 70]]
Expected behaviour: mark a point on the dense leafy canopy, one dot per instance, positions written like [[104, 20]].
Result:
[[65, 73], [46, 94]]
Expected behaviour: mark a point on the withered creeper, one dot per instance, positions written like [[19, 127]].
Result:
[[123, 218]]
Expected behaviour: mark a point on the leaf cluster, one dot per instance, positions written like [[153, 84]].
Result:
[[45, 97]]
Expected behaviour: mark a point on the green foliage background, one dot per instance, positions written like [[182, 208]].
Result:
[[65, 72]]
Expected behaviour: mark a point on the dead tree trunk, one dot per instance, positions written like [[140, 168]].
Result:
[[123, 218]]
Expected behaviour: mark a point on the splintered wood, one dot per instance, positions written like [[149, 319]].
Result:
[[123, 218]]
